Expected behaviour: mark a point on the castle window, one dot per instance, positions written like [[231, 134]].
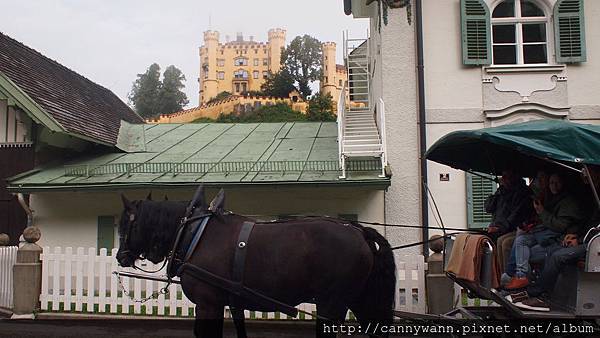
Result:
[[237, 87], [240, 61], [265, 74], [340, 82], [240, 74], [255, 74], [265, 62], [221, 75], [221, 62], [256, 62]]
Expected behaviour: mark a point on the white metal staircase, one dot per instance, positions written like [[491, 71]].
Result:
[[361, 124]]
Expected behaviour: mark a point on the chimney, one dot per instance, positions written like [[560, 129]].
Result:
[[240, 37]]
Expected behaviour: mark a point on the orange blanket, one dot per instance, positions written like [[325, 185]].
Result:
[[466, 258]]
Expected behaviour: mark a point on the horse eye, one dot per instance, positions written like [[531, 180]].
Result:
[[131, 217]]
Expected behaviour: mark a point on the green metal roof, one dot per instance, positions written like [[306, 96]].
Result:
[[165, 155]]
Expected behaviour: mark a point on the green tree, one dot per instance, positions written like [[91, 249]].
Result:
[[302, 60], [280, 112], [145, 92], [171, 98], [221, 96], [320, 108], [280, 84]]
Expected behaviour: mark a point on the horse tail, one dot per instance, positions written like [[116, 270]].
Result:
[[377, 301]]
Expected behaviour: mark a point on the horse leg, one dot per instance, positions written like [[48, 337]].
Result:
[[209, 321], [335, 314], [238, 320]]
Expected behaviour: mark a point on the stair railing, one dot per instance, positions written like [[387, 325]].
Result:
[[380, 118], [341, 122]]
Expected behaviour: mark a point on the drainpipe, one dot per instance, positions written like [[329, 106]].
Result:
[[25, 207], [422, 126]]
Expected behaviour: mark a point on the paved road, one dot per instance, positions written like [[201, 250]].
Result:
[[139, 328]]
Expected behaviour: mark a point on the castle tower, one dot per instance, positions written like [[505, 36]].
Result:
[[328, 84], [209, 87], [276, 44]]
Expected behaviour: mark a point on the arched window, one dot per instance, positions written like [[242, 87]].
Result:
[[519, 33], [240, 61], [240, 74]]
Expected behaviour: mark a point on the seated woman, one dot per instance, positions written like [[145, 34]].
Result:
[[573, 249], [559, 215]]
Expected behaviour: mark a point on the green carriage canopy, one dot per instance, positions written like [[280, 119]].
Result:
[[524, 147]]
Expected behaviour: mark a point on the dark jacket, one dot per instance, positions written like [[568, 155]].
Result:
[[562, 214], [510, 208]]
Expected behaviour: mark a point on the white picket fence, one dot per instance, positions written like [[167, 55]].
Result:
[[82, 281], [8, 258]]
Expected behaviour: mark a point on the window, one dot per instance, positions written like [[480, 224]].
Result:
[[340, 82], [106, 233], [256, 62], [516, 32], [240, 74], [240, 61], [255, 74], [265, 62], [221, 62], [519, 33], [221, 75], [265, 74], [244, 87], [237, 87]]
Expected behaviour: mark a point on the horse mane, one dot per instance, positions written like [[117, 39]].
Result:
[[158, 221]]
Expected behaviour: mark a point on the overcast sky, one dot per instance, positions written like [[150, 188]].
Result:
[[110, 41]]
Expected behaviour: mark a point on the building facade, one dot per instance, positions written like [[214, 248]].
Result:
[[238, 66], [485, 63]]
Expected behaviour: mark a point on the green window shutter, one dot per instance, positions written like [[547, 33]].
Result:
[[569, 31], [476, 36], [106, 232], [478, 189]]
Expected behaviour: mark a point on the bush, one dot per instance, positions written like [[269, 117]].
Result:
[[280, 112], [320, 108]]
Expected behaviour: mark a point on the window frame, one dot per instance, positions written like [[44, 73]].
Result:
[[518, 21]]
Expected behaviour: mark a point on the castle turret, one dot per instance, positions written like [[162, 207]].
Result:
[[209, 87], [276, 44], [328, 84]]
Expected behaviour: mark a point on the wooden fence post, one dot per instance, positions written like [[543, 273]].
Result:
[[440, 289], [27, 274]]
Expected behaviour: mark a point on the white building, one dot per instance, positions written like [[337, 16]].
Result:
[[485, 63]]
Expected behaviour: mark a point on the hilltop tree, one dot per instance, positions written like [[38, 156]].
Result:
[[145, 91], [280, 84], [302, 60], [320, 108], [171, 98], [150, 96]]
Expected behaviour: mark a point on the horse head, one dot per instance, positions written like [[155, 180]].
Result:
[[128, 252]]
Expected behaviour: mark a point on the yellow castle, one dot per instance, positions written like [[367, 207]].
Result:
[[237, 66]]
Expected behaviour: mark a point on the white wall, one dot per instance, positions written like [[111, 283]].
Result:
[[70, 218]]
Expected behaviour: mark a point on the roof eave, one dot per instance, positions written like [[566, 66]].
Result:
[[377, 184]]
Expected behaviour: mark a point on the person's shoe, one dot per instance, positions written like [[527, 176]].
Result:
[[534, 304], [505, 279], [517, 283], [517, 297]]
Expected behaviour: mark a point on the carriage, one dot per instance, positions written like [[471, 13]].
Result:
[[527, 147]]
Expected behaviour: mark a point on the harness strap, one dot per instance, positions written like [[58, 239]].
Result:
[[239, 259], [197, 235]]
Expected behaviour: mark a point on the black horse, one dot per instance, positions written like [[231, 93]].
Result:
[[337, 265]]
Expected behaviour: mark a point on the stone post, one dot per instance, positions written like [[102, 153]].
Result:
[[4, 240], [440, 289], [27, 276]]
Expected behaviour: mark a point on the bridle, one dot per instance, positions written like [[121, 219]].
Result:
[[127, 252]]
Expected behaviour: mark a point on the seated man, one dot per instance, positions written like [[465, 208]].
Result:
[[559, 215], [510, 207]]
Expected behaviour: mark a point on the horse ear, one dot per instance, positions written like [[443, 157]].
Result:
[[218, 202], [127, 203], [149, 197], [166, 198], [198, 201]]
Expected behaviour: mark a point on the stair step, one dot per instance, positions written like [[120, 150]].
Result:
[[349, 142]]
